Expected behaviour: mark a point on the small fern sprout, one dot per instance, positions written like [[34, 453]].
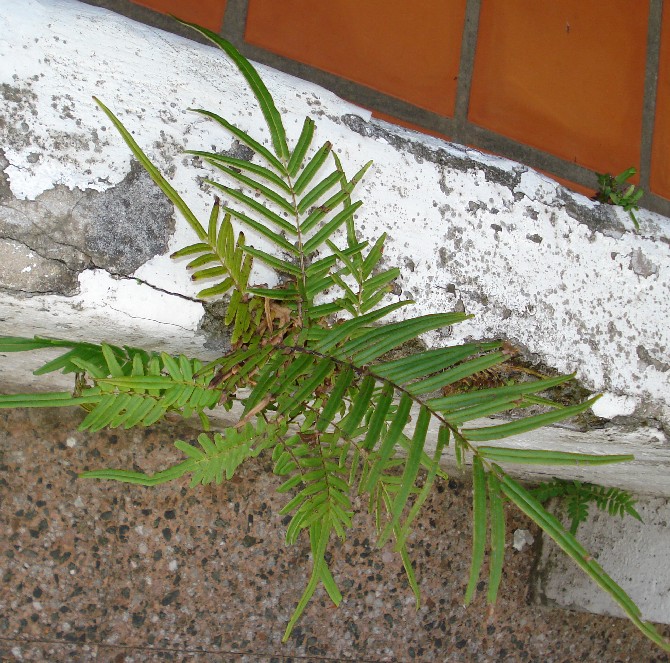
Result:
[[576, 497], [309, 370]]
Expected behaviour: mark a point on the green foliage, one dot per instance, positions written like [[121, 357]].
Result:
[[614, 190], [308, 369], [120, 386], [576, 497]]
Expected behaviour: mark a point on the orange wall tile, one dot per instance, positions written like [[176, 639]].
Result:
[[208, 13], [566, 77], [660, 156], [407, 50]]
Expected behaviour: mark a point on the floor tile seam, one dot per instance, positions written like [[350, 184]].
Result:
[[47, 641], [220, 652], [100, 645]]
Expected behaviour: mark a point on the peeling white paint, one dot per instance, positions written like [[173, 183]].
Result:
[[610, 406], [521, 539], [113, 318], [467, 230], [132, 299]]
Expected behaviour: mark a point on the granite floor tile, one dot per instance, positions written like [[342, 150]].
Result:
[[51, 652], [192, 558], [173, 573], [144, 655], [54, 556]]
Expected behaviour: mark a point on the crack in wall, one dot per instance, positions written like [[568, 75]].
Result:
[[140, 317], [195, 300], [27, 271], [37, 252], [118, 230]]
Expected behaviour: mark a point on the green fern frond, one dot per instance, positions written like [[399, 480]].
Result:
[[245, 138], [265, 101], [578, 511], [78, 351], [227, 163], [144, 398], [155, 174], [308, 364], [128, 387], [221, 247], [409, 476], [140, 478], [566, 541], [375, 342], [217, 458], [300, 151], [50, 399], [479, 522], [221, 454], [577, 497], [319, 536], [497, 516], [528, 424], [311, 168]]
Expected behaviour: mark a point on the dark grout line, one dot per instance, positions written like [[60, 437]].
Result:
[[459, 129], [177, 650], [235, 21], [467, 65], [281, 657], [650, 90], [356, 93]]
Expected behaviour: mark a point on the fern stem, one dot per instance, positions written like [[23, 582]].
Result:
[[302, 290], [363, 371]]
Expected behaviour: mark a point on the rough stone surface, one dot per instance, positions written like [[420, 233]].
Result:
[[637, 551], [94, 571], [87, 236], [69, 230], [84, 252], [24, 272]]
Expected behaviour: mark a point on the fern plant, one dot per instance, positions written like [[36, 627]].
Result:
[[576, 497], [614, 190], [308, 369]]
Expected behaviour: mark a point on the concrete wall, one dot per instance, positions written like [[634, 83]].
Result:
[[85, 236]]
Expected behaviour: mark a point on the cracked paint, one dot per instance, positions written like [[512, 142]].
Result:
[[546, 269], [26, 273], [641, 265], [119, 229], [88, 237]]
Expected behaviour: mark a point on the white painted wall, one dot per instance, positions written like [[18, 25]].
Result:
[[565, 278]]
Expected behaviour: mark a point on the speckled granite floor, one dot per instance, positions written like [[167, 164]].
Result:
[[96, 571]]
